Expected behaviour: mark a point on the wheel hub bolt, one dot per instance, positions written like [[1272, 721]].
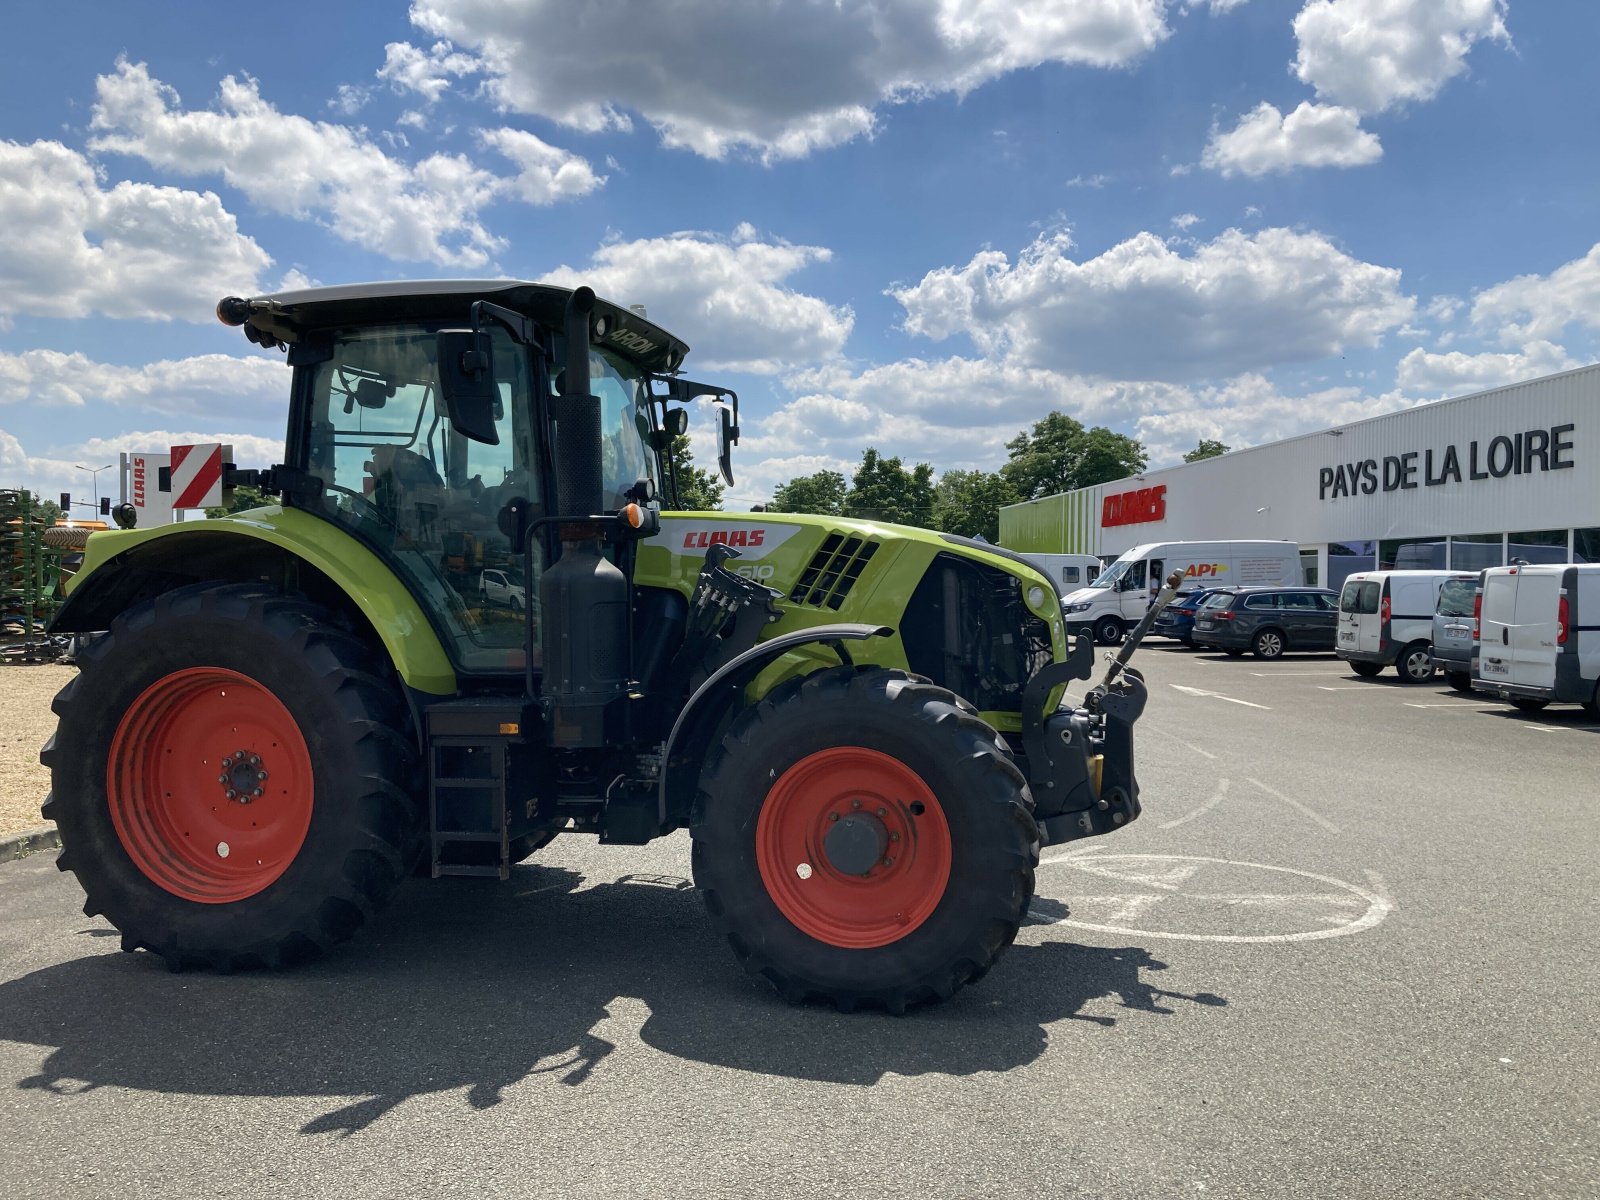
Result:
[[883, 812], [855, 804], [894, 837], [889, 862], [833, 816]]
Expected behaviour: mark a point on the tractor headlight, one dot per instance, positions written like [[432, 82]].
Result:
[[1036, 597]]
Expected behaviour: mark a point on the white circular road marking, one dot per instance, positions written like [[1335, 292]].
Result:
[[1214, 894]]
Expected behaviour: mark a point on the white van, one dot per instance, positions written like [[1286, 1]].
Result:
[[1118, 599], [1068, 572], [1539, 635], [1386, 619]]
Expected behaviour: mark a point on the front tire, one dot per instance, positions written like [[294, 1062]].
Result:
[[1528, 704], [233, 778], [1108, 631], [864, 838]]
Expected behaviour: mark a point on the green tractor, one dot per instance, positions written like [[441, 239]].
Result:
[[469, 626]]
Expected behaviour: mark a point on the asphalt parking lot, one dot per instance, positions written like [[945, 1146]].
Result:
[[1347, 951]]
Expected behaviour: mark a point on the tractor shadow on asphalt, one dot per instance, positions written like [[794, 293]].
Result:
[[485, 986]]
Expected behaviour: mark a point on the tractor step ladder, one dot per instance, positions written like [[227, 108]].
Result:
[[467, 791]]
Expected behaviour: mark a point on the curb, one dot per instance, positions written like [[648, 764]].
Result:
[[29, 841]]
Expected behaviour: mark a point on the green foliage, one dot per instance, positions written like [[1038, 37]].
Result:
[[699, 490], [822, 493], [244, 499], [1058, 454], [1208, 448], [969, 503], [883, 490]]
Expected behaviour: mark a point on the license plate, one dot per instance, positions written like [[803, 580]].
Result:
[[1457, 634], [1490, 667], [1347, 636], [1203, 624]]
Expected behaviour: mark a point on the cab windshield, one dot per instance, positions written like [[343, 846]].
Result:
[[1113, 575], [625, 456]]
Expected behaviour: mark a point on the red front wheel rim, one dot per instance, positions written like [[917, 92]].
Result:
[[209, 784], [853, 847]]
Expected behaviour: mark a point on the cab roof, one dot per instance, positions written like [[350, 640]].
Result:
[[289, 316]]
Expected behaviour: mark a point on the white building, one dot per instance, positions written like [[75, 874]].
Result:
[[1478, 481]]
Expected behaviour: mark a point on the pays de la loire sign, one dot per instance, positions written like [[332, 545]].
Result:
[[1134, 508], [1508, 454]]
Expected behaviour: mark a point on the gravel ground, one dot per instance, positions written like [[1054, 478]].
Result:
[[25, 723]]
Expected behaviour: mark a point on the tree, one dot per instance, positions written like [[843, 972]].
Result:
[[1058, 455], [1104, 456], [969, 503], [1208, 448], [822, 493], [699, 490], [244, 498], [883, 490]]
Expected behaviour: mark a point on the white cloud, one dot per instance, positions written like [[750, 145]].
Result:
[[69, 248], [781, 79], [1373, 54], [545, 174], [427, 72], [1186, 220], [212, 385], [1457, 374], [1313, 135], [1142, 310], [350, 100], [1542, 306], [726, 299], [427, 211]]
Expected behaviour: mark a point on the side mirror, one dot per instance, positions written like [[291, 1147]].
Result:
[[466, 381], [727, 439]]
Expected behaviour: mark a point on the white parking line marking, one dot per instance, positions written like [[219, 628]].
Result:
[[1217, 696], [1222, 790], [1357, 687], [1271, 674], [1295, 804], [1452, 704]]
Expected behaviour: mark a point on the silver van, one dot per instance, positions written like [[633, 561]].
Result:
[[1455, 626]]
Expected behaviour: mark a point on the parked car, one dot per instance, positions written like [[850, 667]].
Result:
[[1386, 619], [498, 587], [1539, 636], [1455, 629], [1267, 620], [1177, 619]]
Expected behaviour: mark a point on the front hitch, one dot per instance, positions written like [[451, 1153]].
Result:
[[1080, 760]]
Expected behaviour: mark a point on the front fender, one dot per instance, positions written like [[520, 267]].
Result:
[[717, 696], [124, 567]]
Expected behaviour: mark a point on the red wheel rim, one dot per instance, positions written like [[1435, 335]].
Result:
[[853, 909], [187, 742]]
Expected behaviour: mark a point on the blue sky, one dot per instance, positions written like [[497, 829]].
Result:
[[914, 225]]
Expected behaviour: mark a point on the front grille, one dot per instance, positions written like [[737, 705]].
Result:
[[833, 571], [967, 629]]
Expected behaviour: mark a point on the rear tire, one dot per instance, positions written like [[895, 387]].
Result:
[[862, 837], [1268, 644], [1415, 664], [1367, 670], [1460, 680], [1108, 631], [218, 688], [1528, 704], [1233, 652]]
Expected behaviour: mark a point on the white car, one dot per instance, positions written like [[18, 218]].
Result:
[[496, 587]]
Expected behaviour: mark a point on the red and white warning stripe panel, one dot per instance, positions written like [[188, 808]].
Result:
[[197, 476]]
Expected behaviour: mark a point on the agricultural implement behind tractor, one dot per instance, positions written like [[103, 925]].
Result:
[[469, 627]]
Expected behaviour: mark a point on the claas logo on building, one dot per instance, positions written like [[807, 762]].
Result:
[[1134, 508]]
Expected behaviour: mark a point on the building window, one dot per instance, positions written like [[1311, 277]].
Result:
[[1586, 545], [1411, 554], [1346, 558], [1538, 546], [1475, 551]]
